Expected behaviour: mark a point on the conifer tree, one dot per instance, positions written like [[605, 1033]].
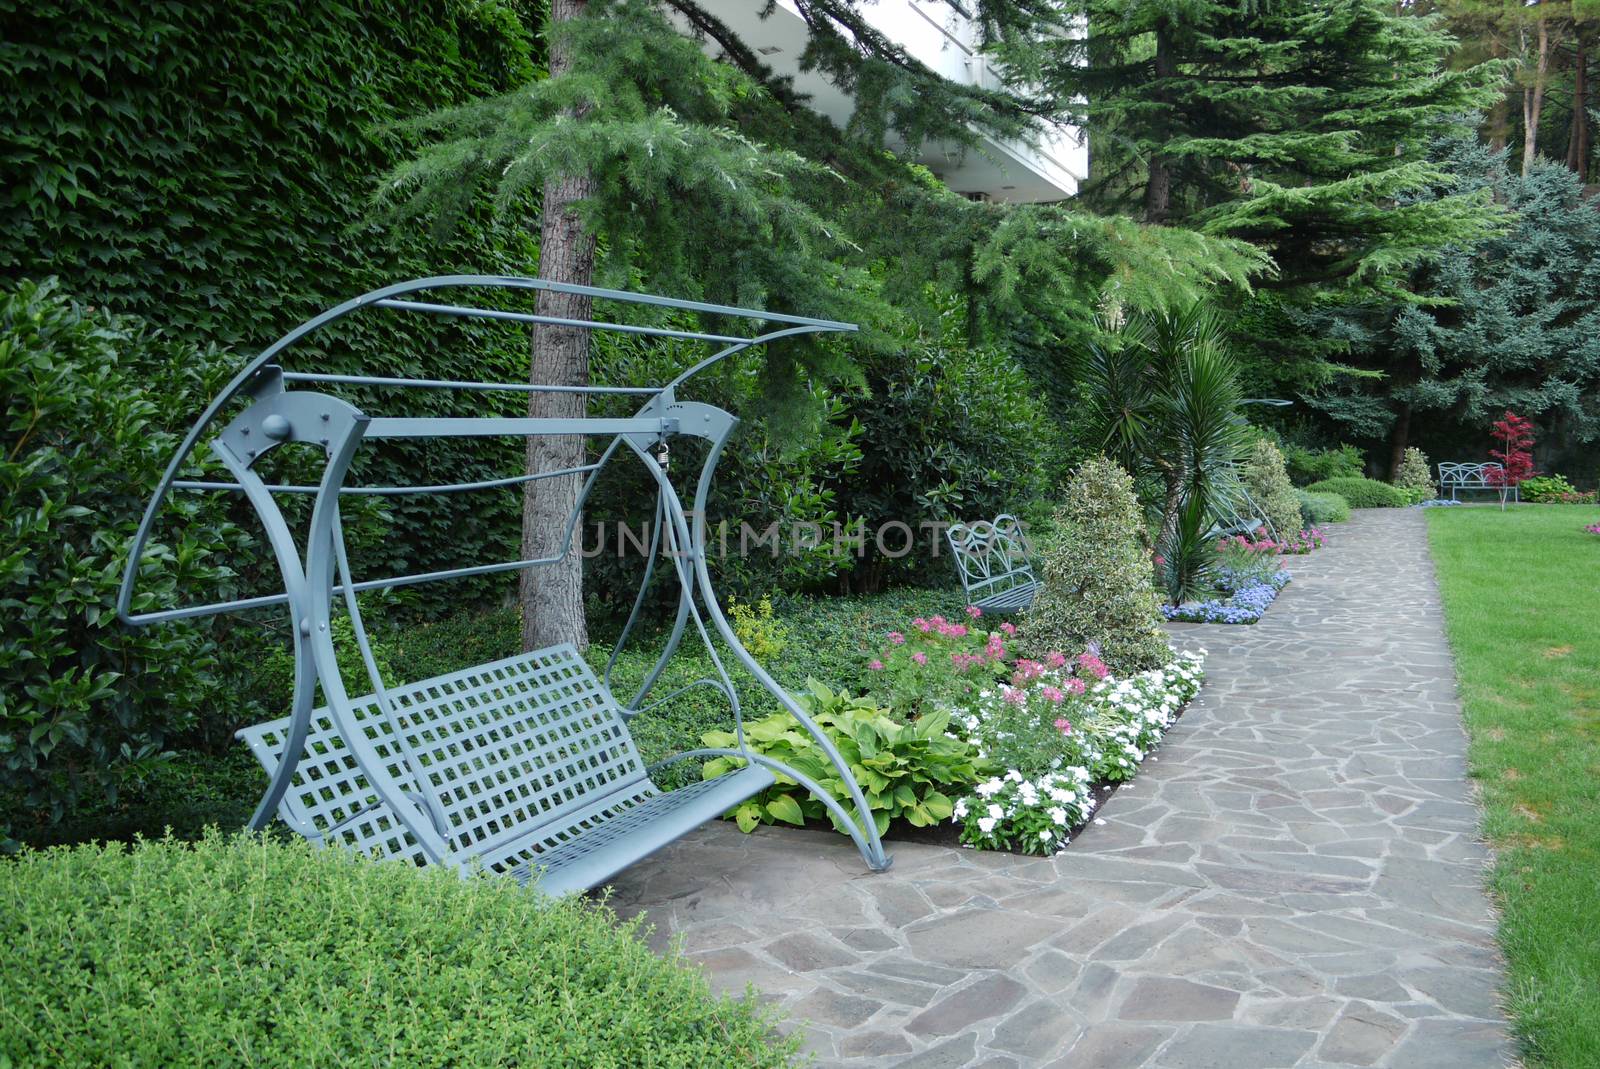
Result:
[[1512, 322], [710, 178], [1300, 126]]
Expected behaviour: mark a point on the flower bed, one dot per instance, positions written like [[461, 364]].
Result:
[[1247, 577], [1435, 503], [1054, 764], [1246, 604], [1051, 732], [1593, 528]]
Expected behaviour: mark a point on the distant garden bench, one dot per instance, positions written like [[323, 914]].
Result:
[[524, 766], [1485, 476], [992, 559]]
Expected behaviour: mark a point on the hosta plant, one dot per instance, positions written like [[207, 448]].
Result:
[[906, 770]]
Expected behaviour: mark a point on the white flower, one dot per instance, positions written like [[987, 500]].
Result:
[[1058, 815], [961, 809], [995, 812], [989, 789], [1046, 835], [986, 824]]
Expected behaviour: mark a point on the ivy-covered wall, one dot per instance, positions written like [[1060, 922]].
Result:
[[209, 167]]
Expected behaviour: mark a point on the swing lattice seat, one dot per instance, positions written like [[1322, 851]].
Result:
[[524, 766], [532, 763]]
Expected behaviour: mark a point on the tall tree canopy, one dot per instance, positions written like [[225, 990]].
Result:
[[1512, 322]]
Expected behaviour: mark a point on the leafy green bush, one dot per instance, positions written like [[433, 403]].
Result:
[[756, 628], [87, 703], [1415, 476], [1363, 493], [1318, 509], [241, 950], [948, 433], [1545, 489], [1268, 482], [904, 769], [1096, 583], [1314, 465]]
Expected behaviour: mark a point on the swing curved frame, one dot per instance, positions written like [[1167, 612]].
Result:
[[548, 741]]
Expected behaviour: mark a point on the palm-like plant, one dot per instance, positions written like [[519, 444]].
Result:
[[1164, 397]]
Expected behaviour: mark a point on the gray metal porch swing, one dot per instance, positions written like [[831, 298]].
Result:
[[524, 766]]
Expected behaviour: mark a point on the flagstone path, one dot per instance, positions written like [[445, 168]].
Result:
[[1294, 879]]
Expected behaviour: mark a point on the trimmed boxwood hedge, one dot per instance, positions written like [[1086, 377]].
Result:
[[243, 950], [1363, 493], [1322, 508]]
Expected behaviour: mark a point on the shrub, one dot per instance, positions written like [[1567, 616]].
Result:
[[1267, 480], [1363, 493], [903, 769], [1414, 476], [756, 628], [1548, 489], [1315, 465], [1318, 509], [87, 703], [1096, 584], [947, 433], [241, 950]]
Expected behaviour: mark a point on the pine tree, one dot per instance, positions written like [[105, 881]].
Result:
[[1300, 126]]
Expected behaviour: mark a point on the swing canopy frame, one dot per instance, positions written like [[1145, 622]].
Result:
[[524, 766]]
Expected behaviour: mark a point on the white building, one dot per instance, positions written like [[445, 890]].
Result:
[[938, 35]]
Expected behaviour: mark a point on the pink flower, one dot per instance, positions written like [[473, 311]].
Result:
[[1053, 694], [1015, 696], [1093, 665], [995, 648], [920, 657], [1008, 627], [1056, 659], [1075, 686], [1064, 726], [922, 625], [876, 665], [1160, 560], [974, 612], [897, 638]]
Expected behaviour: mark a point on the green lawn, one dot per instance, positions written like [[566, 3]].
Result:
[[1522, 605]]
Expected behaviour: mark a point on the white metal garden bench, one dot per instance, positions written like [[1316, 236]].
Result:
[[524, 766], [1456, 477], [992, 559]]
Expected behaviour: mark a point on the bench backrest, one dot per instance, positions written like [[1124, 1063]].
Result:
[[991, 555], [1464, 475], [504, 750]]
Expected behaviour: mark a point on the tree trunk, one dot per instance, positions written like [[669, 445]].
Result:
[[1578, 139], [552, 595], [1399, 438], [1169, 511], [1533, 100], [1158, 186], [1497, 127]]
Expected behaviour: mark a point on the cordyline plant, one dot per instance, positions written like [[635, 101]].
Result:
[[1515, 435]]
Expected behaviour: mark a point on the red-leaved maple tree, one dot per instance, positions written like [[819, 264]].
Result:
[[1515, 435]]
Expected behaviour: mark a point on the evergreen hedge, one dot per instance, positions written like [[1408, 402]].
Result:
[[245, 951], [209, 167], [1363, 493]]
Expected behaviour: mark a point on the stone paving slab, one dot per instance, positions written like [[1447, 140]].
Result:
[[1294, 880]]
